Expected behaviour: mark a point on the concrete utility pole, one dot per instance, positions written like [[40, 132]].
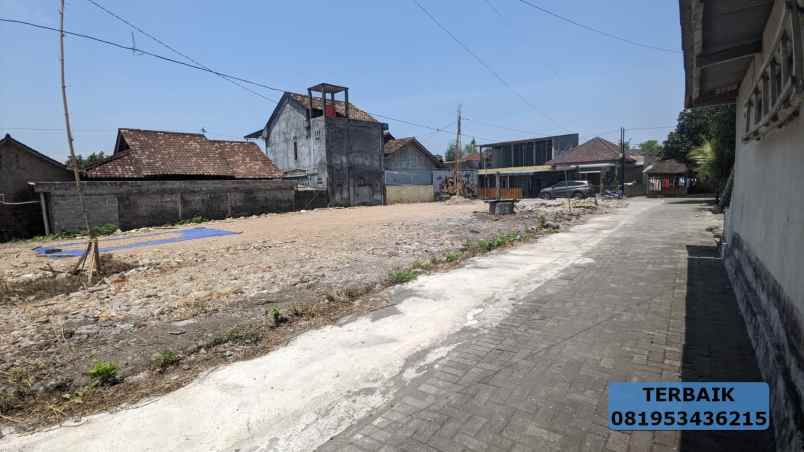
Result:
[[91, 253], [458, 175]]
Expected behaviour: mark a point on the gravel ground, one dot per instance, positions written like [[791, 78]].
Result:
[[216, 300]]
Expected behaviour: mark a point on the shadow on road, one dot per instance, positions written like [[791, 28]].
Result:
[[716, 347], [707, 200]]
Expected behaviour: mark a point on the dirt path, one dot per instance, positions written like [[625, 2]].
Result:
[[169, 312]]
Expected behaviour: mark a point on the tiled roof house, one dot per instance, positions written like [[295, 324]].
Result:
[[153, 154], [593, 151]]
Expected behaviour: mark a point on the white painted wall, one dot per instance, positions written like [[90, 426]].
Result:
[[767, 207]]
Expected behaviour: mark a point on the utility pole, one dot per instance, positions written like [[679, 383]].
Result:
[[458, 175], [91, 253], [622, 161]]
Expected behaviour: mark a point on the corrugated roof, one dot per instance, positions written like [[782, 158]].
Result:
[[154, 153], [595, 150]]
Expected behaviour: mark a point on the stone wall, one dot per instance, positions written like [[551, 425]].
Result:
[[764, 253], [134, 204]]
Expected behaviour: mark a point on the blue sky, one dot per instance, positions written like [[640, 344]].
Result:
[[395, 60]]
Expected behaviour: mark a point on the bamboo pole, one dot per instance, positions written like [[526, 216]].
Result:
[[92, 246]]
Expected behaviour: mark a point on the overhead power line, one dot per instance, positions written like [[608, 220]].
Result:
[[491, 5], [597, 30], [510, 129], [198, 67], [485, 65], [176, 51], [143, 52]]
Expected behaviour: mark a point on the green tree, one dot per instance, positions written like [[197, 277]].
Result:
[[83, 163], [690, 133], [450, 154], [468, 149], [705, 138], [650, 147], [703, 161]]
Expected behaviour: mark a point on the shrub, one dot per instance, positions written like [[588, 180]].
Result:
[[104, 373]]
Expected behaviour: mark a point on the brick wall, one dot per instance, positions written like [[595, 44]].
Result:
[[134, 204]]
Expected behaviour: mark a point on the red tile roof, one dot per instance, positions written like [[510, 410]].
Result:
[[152, 153], [595, 150], [246, 159]]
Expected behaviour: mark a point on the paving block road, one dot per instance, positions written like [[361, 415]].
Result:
[[652, 302]]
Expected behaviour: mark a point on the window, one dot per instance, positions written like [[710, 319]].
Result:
[[748, 108], [757, 106], [776, 95], [295, 150], [776, 80]]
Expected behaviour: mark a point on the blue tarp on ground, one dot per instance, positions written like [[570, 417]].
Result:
[[174, 237]]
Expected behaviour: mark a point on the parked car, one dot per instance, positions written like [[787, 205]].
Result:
[[577, 189]]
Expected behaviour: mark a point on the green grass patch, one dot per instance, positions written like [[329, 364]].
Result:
[[104, 373], [485, 246], [163, 360], [105, 229], [193, 220], [237, 335], [453, 256], [402, 276]]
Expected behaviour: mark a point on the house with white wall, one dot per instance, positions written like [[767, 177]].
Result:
[[750, 53]]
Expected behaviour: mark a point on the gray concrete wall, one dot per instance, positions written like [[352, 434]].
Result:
[[355, 162], [134, 204], [290, 127], [409, 158], [403, 194], [765, 254]]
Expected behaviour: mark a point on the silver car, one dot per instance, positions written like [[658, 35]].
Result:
[[577, 189]]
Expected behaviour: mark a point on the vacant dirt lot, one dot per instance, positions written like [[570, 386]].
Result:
[[163, 314]]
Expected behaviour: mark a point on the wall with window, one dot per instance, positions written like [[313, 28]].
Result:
[[764, 253], [291, 148]]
